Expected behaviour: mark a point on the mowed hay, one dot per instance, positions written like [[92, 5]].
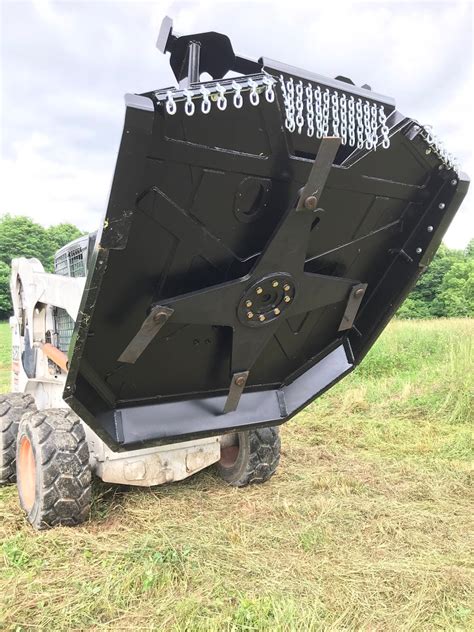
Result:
[[366, 524]]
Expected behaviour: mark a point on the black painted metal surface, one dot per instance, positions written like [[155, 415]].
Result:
[[204, 212]]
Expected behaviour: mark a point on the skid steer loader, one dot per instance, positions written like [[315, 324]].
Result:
[[263, 227]]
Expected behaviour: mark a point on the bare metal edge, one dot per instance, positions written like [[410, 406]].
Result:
[[333, 83], [138, 102]]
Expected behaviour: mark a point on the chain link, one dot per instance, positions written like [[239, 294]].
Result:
[[436, 146], [318, 110]]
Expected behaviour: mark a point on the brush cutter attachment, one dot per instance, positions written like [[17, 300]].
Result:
[[262, 229]]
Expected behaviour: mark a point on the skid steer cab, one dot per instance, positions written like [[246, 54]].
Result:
[[262, 229]]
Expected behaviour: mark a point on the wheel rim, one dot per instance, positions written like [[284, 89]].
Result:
[[229, 454], [27, 473]]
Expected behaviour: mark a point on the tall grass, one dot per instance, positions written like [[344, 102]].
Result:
[[364, 525]]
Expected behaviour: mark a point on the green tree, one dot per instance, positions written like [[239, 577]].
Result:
[[22, 237], [446, 288], [5, 300]]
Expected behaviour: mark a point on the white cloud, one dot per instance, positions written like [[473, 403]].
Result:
[[66, 65]]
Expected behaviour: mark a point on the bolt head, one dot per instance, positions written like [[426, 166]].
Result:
[[427, 151], [249, 315], [275, 284], [240, 380], [287, 299], [276, 311], [286, 287], [311, 202], [419, 251], [442, 206], [159, 318], [261, 318], [454, 182], [259, 290], [248, 303], [430, 229], [359, 292]]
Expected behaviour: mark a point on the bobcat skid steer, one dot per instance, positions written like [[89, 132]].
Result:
[[263, 227]]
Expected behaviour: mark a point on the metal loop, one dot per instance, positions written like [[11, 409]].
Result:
[[254, 96], [206, 102], [189, 105], [237, 100], [221, 100], [269, 92], [170, 103]]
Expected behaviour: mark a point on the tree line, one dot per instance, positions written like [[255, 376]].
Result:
[[22, 237], [446, 289]]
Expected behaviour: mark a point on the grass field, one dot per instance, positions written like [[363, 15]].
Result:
[[366, 524]]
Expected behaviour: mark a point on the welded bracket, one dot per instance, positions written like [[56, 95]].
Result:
[[150, 327], [322, 165], [237, 385], [352, 306]]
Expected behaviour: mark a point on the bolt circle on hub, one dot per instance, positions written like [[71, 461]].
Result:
[[269, 297]]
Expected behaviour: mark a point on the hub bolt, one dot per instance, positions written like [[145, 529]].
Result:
[[311, 202], [248, 303], [249, 314], [259, 290], [261, 318], [275, 284], [287, 299]]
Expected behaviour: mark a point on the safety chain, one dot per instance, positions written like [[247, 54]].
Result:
[[358, 122], [436, 146], [220, 93], [317, 110]]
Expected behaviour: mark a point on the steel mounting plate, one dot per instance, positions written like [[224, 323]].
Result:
[[197, 207]]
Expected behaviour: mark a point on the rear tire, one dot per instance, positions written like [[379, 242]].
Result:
[[12, 407], [253, 457], [53, 471]]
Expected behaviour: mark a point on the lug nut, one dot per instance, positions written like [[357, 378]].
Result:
[[259, 290], [286, 287], [248, 303], [275, 284], [287, 299], [261, 318], [276, 311], [249, 314]]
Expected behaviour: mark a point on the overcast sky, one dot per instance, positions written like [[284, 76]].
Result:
[[66, 66]]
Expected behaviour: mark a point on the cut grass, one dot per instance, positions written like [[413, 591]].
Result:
[[365, 525]]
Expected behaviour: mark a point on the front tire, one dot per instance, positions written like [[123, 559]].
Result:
[[252, 457], [53, 471], [12, 408]]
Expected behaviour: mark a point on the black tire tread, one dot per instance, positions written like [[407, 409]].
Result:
[[62, 456], [12, 408]]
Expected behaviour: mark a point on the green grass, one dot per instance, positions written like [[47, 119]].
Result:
[[5, 357], [365, 525]]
